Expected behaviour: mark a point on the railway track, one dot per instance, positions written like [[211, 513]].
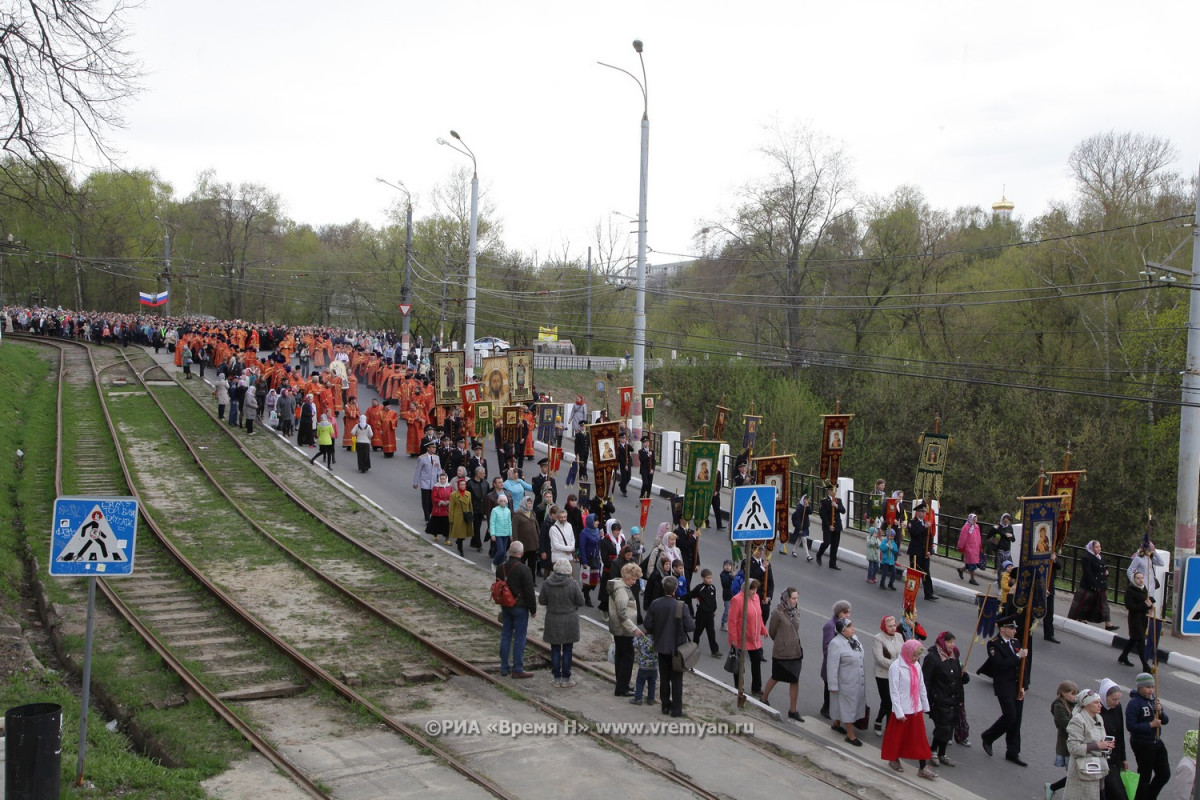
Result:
[[162, 607]]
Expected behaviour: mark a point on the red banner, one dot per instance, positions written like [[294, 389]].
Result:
[[469, 392], [555, 461], [645, 514], [626, 400], [833, 442], [1066, 486], [719, 425], [893, 508], [774, 471], [912, 585]]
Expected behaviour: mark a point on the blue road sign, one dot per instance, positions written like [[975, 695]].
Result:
[[753, 513], [93, 536], [1189, 621]]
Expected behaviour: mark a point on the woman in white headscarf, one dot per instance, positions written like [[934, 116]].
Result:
[[362, 442], [1088, 747]]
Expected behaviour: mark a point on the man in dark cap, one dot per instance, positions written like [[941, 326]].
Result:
[[831, 525], [919, 544], [1003, 666], [477, 460], [624, 462], [544, 481], [428, 467]]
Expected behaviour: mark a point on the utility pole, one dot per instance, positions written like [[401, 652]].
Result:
[[445, 280], [405, 291], [167, 268], [1188, 477], [589, 304]]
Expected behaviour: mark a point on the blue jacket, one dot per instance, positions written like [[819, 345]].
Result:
[[1139, 713], [589, 546]]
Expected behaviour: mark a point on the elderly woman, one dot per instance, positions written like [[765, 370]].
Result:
[[944, 681], [439, 517], [562, 598], [841, 609], [787, 656], [1113, 717], [970, 544], [1091, 600], [1088, 748], [525, 531], [846, 674], [461, 512], [622, 624], [905, 737], [885, 647], [500, 527]]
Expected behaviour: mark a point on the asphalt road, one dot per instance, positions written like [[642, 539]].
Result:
[[389, 484]]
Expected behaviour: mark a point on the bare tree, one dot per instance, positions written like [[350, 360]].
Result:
[[1116, 174], [65, 75]]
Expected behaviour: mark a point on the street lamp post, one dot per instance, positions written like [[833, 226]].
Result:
[[166, 263], [639, 311], [406, 289], [469, 328]]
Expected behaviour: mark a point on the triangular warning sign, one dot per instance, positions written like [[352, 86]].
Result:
[[94, 541], [753, 516], [1194, 614]]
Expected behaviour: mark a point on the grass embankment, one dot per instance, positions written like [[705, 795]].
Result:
[[123, 670]]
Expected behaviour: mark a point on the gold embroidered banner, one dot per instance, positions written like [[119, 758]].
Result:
[[833, 442], [935, 448], [1066, 485], [776, 471]]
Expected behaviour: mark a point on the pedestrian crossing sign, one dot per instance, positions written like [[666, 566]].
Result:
[[93, 536], [1189, 622], [753, 513]]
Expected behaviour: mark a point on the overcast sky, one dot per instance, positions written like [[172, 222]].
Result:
[[314, 100]]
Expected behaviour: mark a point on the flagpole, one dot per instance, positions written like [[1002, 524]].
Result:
[[978, 620]]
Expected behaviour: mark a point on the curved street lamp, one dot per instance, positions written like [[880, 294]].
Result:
[[406, 289], [469, 327]]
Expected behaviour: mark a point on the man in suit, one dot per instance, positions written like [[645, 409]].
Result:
[[544, 481], [646, 464], [919, 544], [1003, 666], [477, 460], [624, 462], [459, 457], [660, 623], [831, 510], [428, 467]]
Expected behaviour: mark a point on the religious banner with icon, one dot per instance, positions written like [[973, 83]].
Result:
[[520, 374], [676, 508], [546, 415], [719, 425], [751, 431], [510, 433], [935, 448], [645, 513], [554, 460], [1039, 518], [448, 376], [603, 439], [483, 419], [649, 401], [776, 471], [469, 395], [1066, 485], [702, 465], [833, 442], [495, 382], [626, 400], [912, 586]]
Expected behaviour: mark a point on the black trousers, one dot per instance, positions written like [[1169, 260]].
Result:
[[623, 662], [921, 561], [706, 622], [670, 685], [1154, 769], [626, 475], [427, 502], [581, 452], [831, 542], [1008, 725], [1048, 620], [885, 699]]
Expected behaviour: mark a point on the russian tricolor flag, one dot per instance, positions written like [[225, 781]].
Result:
[[152, 298]]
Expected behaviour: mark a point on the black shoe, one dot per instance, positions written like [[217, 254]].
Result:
[[1125, 661], [1016, 760], [626, 693], [987, 746], [933, 597], [1052, 639], [838, 729], [796, 716], [960, 572]]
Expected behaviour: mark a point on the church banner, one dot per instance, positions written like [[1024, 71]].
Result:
[[719, 425], [483, 419], [750, 435], [935, 448], [912, 587], [520, 371], [510, 433], [701, 476], [448, 376], [833, 442], [626, 400], [555, 460], [1039, 518], [468, 394], [547, 414], [776, 471], [603, 438], [495, 382], [645, 513], [649, 401], [1066, 485]]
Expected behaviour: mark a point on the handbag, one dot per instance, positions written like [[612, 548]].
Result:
[[865, 720], [687, 652], [732, 662], [468, 517], [585, 575], [1092, 768]]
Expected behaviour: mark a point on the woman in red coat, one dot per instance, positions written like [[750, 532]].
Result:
[[439, 518]]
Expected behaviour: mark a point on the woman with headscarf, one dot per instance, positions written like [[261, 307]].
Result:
[[885, 647], [847, 680], [1091, 600], [787, 655], [439, 517], [561, 596], [304, 433], [944, 681], [269, 403], [1113, 717], [840, 609], [905, 736], [1089, 749], [610, 547], [970, 544], [461, 513], [1140, 605], [362, 442], [1062, 708], [589, 556]]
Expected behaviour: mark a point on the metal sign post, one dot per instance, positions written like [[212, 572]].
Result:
[[752, 519], [92, 536]]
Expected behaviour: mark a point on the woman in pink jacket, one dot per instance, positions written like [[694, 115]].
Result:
[[755, 631], [970, 544]]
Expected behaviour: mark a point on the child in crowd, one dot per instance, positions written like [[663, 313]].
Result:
[[647, 673], [635, 544], [706, 611], [726, 589], [909, 627], [888, 551], [873, 552], [682, 590]]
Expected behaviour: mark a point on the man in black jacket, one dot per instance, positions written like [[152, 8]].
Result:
[[646, 464], [1003, 666], [831, 525], [919, 544], [516, 619], [544, 480]]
